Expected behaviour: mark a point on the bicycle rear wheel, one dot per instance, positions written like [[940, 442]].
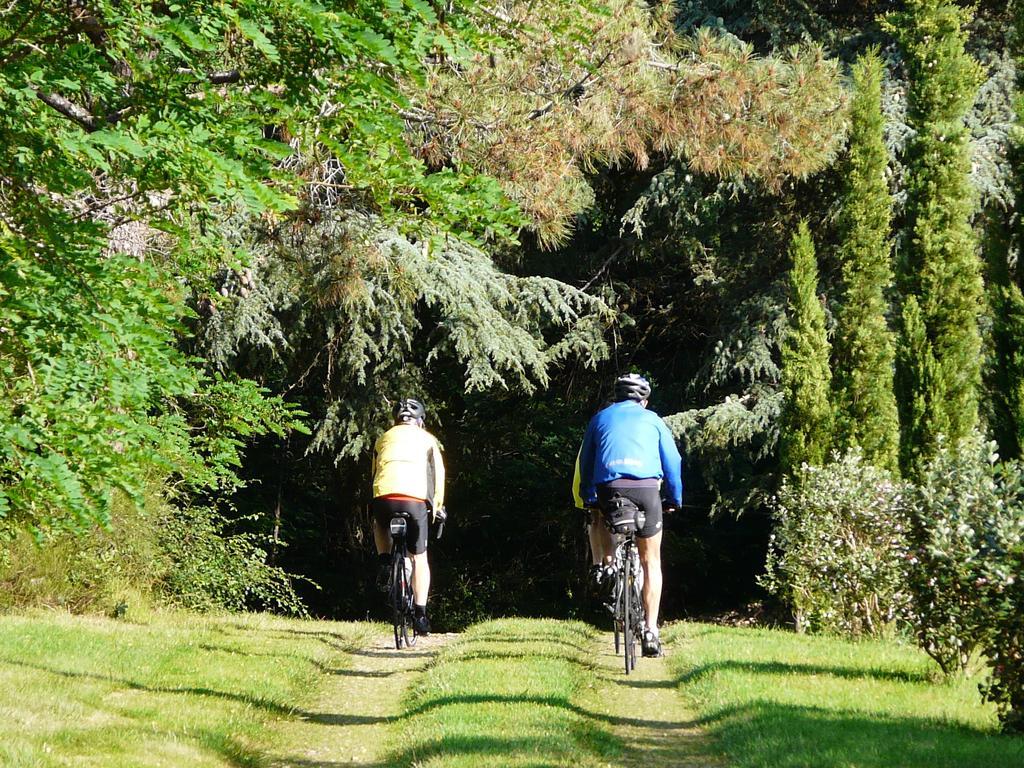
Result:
[[398, 617], [401, 603], [628, 638], [637, 614], [409, 627]]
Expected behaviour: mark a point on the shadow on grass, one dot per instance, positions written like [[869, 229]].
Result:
[[259, 702], [485, 750], [788, 736], [630, 682], [333, 640], [540, 638], [784, 668], [383, 653], [545, 701], [378, 673]]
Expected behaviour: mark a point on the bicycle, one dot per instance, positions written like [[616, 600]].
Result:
[[624, 519], [400, 595]]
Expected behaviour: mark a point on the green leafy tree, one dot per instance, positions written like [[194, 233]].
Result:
[[807, 420], [866, 413], [127, 131], [942, 266]]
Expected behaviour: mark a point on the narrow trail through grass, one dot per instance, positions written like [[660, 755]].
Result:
[[539, 694], [656, 727], [361, 697]]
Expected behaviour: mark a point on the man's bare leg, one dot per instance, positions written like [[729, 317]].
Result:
[[650, 558], [382, 538], [602, 548], [420, 578]]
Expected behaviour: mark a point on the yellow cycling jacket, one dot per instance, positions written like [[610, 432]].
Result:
[[407, 461], [577, 496]]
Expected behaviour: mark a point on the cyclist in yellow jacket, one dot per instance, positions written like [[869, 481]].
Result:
[[408, 478]]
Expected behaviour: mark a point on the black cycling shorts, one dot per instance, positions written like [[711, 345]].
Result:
[[417, 520], [647, 498]]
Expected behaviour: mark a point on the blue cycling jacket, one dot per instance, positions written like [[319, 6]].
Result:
[[627, 440]]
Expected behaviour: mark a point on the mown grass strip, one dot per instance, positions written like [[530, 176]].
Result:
[[773, 699], [176, 690], [505, 694]]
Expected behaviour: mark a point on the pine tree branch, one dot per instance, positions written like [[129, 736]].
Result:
[[576, 90], [607, 263]]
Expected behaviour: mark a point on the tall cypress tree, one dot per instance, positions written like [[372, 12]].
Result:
[[806, 433], [918, 387], [1005, 293], [865, 404], [942, 267]]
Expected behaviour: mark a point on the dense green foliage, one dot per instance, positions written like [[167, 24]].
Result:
[[965, 515], [838, 552], [941, 266], [807, 420], [864, 354], [127, 128]]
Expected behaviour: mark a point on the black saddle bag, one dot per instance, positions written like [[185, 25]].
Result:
[[622, 515]]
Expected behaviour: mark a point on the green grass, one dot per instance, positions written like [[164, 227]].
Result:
[[175, 690], [507, 693], [773, 699]]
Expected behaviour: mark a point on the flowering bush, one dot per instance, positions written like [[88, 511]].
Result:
[[1005, 646], [954, 508], [1002, 590], [838, 553]]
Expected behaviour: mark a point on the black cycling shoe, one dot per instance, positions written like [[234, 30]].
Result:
[[422, 626], [651, 645], [384, 577]]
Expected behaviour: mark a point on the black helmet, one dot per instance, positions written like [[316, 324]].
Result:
[[409, 411], [632, 386]]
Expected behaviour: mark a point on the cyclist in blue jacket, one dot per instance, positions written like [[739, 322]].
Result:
[[628, 451]]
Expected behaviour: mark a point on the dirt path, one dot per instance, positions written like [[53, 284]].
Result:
[[347, 723], [647, 712]]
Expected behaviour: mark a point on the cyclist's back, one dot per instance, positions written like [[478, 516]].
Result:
[[407, 461], [627, 441]]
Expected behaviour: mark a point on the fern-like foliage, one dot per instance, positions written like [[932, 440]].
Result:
[[349, 309]]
